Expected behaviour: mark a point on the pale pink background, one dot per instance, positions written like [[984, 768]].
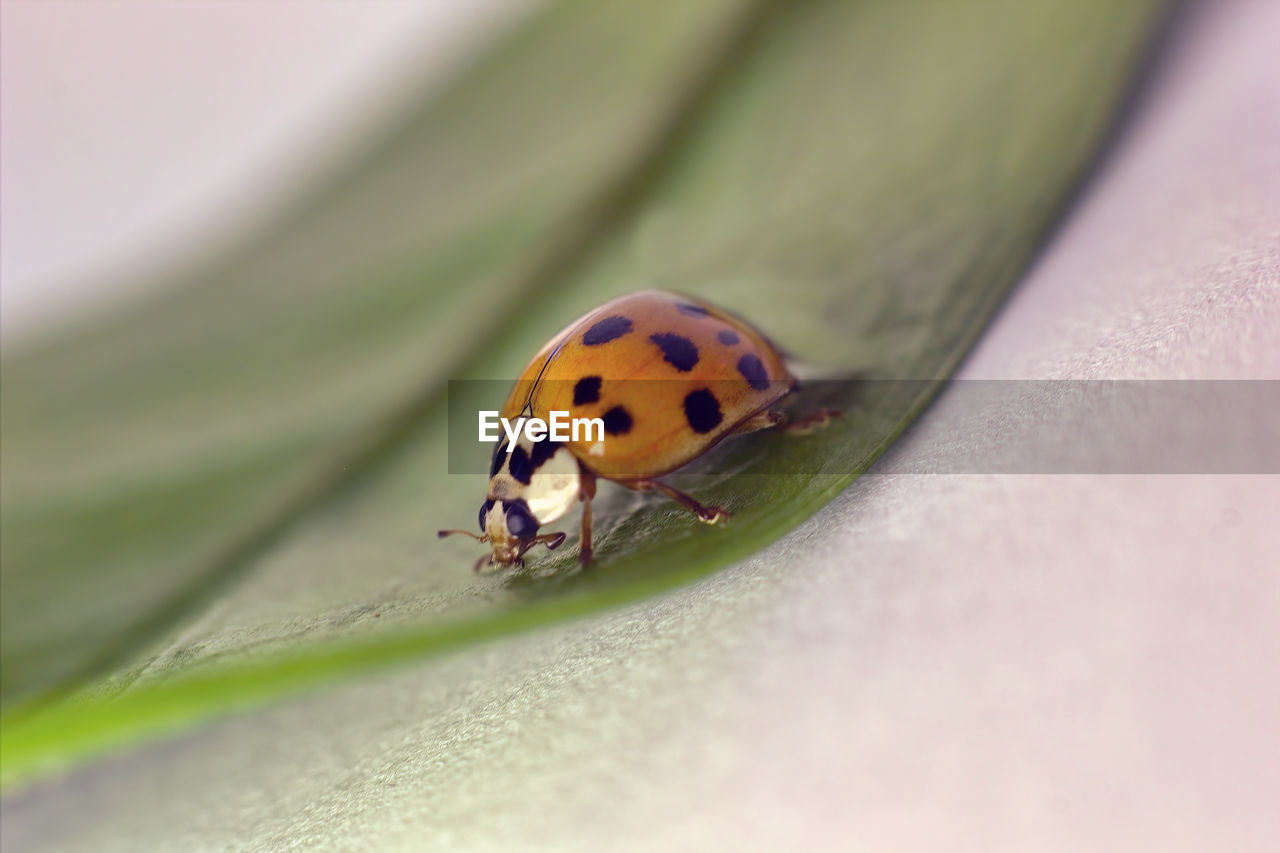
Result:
[[140, 132]]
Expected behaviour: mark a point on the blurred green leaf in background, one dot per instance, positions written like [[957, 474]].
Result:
[[232, 490]]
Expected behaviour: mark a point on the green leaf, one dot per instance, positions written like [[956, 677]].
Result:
[[231, 491]]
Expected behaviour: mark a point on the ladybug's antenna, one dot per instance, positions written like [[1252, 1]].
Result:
[[443, 533]]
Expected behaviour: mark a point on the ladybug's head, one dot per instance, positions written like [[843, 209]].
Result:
[[510, 529]]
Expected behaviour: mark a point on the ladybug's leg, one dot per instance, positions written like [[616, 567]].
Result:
[[586, 491], [760, 420], [585, 551], [809, 423], [708, 514]]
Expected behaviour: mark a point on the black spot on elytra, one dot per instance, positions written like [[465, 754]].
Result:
[[692, 310], [702, 410], [484, 511], [617, 421], [606, 330], [520, 522], [728, 337], [679, 352], [499, 454], [587, 390], [542, 451], [752, 370], [520, 467]]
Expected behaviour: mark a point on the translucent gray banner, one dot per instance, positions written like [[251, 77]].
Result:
[[972, 426]]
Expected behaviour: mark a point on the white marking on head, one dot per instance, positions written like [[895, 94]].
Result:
[[554, 487], [495, 523]]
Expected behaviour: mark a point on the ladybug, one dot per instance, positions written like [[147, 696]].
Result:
[[670, 376]]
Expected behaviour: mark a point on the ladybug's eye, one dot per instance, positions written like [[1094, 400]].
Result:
[[520, 522], [484, 511]]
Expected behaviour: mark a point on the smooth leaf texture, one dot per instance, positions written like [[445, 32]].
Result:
[[863, 180]]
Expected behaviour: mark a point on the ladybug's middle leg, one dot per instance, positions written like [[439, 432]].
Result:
[[708, 514]]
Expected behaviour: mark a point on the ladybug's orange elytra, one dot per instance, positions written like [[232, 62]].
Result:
[[669, 376]]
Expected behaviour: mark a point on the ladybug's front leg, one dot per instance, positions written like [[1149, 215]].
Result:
[[708, 514], [586, 491]]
